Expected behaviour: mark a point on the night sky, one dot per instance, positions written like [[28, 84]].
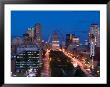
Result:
[[76, 22]]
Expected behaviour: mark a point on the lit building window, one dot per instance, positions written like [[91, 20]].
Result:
[[30, 57]]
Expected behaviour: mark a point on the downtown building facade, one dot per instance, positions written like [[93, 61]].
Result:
[[55, 41], [72, 42], [94, 41], [26, 53], [28, 59]]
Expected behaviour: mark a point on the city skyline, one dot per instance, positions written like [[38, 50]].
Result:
[[33, 57], [76, 22]]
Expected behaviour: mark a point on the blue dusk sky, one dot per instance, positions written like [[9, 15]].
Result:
[[76, 22]]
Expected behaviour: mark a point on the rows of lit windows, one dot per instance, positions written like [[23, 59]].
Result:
[[13, 56], [21, 64], [18, 65], [33, 57], [21, 54], [20, 57], [32, 52], [28, 57], [28, 61]]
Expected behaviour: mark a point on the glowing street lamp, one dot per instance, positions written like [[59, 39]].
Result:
[[75, 64]]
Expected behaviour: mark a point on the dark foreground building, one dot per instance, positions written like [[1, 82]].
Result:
[[28, 60]]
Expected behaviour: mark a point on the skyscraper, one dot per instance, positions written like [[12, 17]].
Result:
[[69, 38], [28, 58], [94, 29], [55, 41], [75, 40], [38, 39], [94, 41], [37, 34], [30, 32]]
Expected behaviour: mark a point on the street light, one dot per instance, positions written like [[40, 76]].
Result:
[[75, 64]]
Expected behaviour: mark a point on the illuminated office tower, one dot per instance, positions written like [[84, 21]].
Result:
[[75, 40], [30, 32], [38, 39], [69, 38], [94, 29], [37, 34], [92, 48], [28, 58], [55, 41], [27, 39], [92, 45], [94, 41]]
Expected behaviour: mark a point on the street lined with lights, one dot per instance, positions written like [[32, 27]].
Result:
[[46, 70], [76, 62]]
